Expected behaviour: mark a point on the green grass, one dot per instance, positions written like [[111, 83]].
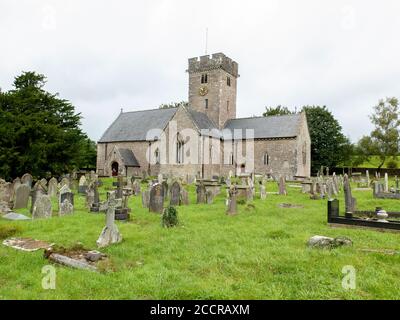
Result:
[[258, 254]]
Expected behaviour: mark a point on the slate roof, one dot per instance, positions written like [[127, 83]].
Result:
[[133, 126], [128, 158], [268, 127]]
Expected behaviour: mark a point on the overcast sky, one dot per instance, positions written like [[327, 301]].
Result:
[[108, 55]]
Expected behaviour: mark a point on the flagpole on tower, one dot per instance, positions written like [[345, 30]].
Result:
[[206, 40]]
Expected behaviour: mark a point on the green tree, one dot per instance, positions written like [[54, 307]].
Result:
[[174, 105], [329, 147], [39, 132], [279, 110], [384, 139]]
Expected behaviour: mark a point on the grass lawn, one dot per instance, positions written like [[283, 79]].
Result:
[[258, 254], [374, 162]]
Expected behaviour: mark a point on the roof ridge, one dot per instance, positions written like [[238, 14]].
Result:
[[149, 110], [263, 117]]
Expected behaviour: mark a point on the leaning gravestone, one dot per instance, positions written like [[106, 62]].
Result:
[[37, 191], [64, 182], [156, 202], [42, 208], [27, 179], [21, 196], [175, 194]]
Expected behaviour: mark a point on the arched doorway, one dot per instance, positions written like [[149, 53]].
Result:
[[114, 169]]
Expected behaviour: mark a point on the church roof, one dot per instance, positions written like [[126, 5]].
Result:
[[267, 127], [203, 122], [133, 126], [128, 157]]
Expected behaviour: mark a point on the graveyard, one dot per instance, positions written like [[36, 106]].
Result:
[[256, 249]]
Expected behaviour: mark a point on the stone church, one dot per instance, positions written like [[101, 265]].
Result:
[[204, 138]]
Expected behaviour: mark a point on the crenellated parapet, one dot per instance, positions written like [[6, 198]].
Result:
[[215, 61]]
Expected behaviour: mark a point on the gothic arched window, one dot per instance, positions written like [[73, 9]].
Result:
[[157, 156], [266, 159], [179, 150]]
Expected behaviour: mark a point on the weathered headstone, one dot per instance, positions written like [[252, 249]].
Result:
[[136, 187], [52, 187], [42, 207], [348, 197], [64, 182], [65, 194], [184, 197], [209, 197], [156, 203], [110, 234], [27, 179], [82, 186], [386, 183], [160, 178], [201, 193], [145, 198], [175, 194], [282, 186], [90, 193], [368, 179], [263, 192], [232, 204], [37, 191], [21, 196]]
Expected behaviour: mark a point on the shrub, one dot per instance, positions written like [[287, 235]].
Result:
[[169, 217], [8, 231], [392, 164]]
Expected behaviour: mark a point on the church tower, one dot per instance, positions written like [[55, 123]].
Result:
[[212, 87]]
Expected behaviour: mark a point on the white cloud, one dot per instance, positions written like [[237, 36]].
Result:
[[105, 55]]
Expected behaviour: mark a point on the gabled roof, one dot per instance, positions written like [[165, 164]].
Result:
[[203, 122], [267, 127], [128, 157], [133, 126]]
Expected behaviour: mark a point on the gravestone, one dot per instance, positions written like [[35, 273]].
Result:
[[145, 198], [64, 182], [136, 187], [82, 186], [350, 202], [27, 179], [209, 197], [201, 193], [38, 190], [65, 194], [175, 194], [90, 195], [263, 192], [165, 188], [368, 179], [232, 203], [160, 178], [96, 198], [184, 197], [6, 191], [329, 188], [282, 186], [228, 182], [52, 187], [120, 185], [386, 183], [66, 208], [156, 203], [110, 233], [42, 207], [21, 196]]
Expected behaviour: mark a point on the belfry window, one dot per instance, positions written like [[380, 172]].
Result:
[[228, 81], [204, 78], [206, 103]]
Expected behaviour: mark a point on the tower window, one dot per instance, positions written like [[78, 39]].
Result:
[[228, 81], [227, 106], [204, 78], [206, 103], [266, 159]]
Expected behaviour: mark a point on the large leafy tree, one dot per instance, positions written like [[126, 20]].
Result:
[[174, 105], [329, 147], [39, 132], [384, 139]]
